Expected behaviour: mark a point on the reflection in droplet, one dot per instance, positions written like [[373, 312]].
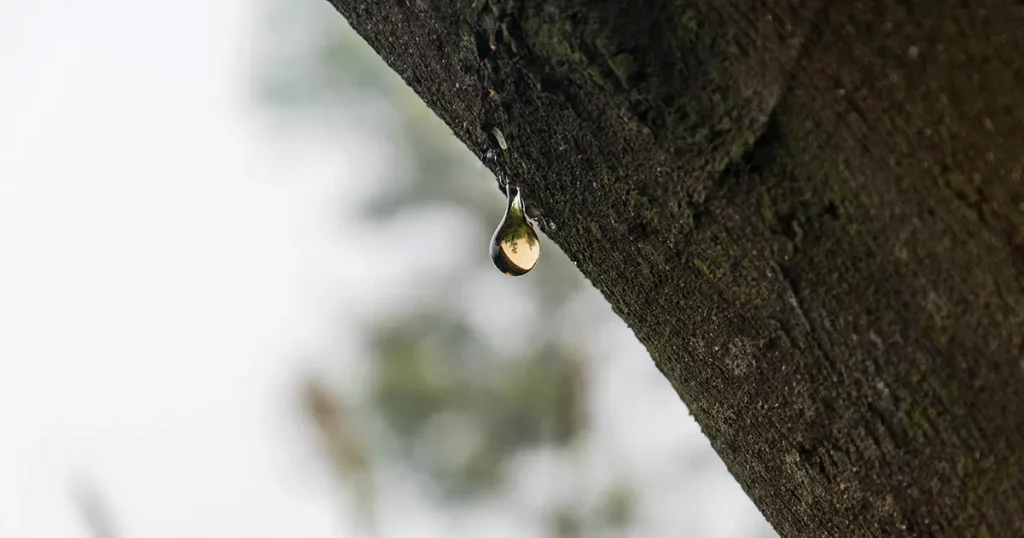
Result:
[[515, 247]]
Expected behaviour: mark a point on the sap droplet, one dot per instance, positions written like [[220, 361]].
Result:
[[515, 247], [550, 225]]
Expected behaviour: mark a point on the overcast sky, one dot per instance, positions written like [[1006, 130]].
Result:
[[157, 274]]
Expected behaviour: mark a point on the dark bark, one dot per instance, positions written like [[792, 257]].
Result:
[[811, 213]]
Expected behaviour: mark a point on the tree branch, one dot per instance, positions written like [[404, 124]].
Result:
[[811, 213]]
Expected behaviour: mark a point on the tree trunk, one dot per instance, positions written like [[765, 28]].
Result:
[[810, 212]]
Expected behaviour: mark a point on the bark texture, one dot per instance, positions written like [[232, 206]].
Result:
[[810, 212]]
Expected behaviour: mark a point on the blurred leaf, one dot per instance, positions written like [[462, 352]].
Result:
[[566, 523], [617, 507], [536, 401], [346, 449], [329, 416]]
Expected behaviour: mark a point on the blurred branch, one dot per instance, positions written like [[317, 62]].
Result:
[[346, 452], [93, 509], [578, 389]]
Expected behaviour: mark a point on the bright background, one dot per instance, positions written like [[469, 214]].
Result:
[[226, 231]]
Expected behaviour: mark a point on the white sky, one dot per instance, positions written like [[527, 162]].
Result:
[[166, 273], [156, 275]]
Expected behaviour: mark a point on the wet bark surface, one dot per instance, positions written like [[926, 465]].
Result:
[[811, 213]]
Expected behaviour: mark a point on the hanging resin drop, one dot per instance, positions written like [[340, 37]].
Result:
[[515, 246]]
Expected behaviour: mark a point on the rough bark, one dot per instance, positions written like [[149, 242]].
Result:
[[810, 212]]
